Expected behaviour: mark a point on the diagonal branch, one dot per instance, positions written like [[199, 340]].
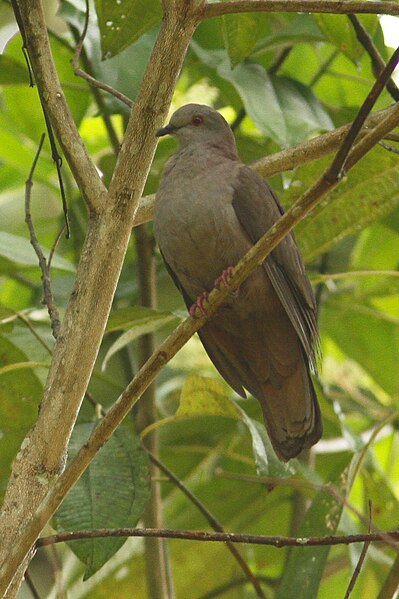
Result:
[[42, 455], [376, 59]]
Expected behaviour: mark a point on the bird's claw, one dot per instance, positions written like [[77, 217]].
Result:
[[199, 304], [223, 279]]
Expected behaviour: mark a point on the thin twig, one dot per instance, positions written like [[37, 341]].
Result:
[[389, 147], [32, 329], [86, 76], [307, 6], [48, 295], [360, 562], [377, 61], [220, 537], [214, 523], [54, 246], [323, 68], [338, 165]]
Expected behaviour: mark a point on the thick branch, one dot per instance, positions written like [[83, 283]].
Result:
[[53, 99], [308, 6]]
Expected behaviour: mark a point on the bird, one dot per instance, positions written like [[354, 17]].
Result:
[[210, 209]]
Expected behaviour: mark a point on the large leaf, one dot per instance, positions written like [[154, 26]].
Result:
[[23, 106], [139, 321], [19, 250], [20, 394], [366, 335], [112, 493], [282, 108], [123, 69], [340, 32], [305, 566], [240, 34], [11, 71], [369, 192], [122, 23], [203, 396]]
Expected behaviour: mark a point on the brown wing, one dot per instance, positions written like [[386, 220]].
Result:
[[257, 209]]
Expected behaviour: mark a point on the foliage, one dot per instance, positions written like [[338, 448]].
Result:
[[232, 64]]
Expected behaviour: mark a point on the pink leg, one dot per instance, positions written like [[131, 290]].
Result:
[[199, 304]]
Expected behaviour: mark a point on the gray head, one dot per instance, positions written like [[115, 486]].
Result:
[[197, 123]]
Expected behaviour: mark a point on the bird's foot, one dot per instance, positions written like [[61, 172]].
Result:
[[200, 304], [223, 279]]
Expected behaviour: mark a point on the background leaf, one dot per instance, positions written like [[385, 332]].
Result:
[[112, 493], [121, 25], [306, 564]]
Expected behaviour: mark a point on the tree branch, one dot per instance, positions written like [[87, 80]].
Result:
[[221, 537], [377, 61], [309, 6], [157, 559], [48, 297]]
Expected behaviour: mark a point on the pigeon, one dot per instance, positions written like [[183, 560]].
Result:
[[210, 209]]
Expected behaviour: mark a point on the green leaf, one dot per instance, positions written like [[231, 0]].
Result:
[[369, 192], [125, 318], [140, 321], [112, 493], [293, 113], [12, 71], [305, 565], [23, 107], [203, 396], [364, 334], [19, 397], [19, 250], [240, 34], [340, 32], [123, 23], [298, 28]]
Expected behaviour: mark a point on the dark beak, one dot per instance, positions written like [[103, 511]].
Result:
[[168, 130]]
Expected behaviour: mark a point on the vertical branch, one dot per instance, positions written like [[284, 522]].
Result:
[[48, 298], [158, 571]]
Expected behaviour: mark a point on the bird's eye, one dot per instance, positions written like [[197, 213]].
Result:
[[197, 120]]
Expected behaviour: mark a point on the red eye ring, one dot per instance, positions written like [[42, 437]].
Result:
[[197, 120]]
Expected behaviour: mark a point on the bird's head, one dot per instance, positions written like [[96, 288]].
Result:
[[197, 123]]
